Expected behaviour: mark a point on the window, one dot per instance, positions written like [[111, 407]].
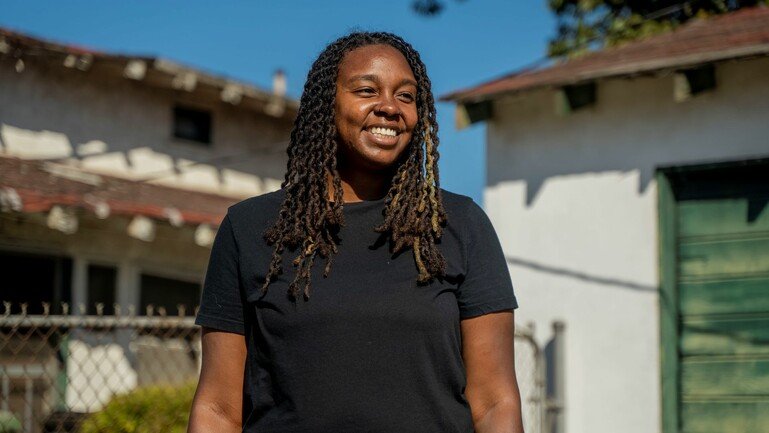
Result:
[[34, 279], [191, 124], [167, 293], [101, 288]]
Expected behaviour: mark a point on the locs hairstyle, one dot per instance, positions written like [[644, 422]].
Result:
[[414, 214]]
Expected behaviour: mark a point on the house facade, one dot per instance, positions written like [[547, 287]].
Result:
[[629, 190], [115, 172], [92, 143]]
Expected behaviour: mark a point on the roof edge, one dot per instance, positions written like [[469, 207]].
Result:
[[737, 35], [619, 71], [15, 43]]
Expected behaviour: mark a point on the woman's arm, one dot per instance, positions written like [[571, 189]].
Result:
[[217, 406], [492, 388]]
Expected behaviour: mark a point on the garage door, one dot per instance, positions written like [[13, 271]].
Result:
[[715, 298]]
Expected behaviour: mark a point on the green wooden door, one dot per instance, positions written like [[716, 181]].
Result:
[[719, 265]]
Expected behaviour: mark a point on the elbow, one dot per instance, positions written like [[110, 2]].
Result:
[[206, 416], [502, 415], [506, 404]]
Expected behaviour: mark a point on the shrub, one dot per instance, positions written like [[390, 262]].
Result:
[[155, 409], [9, 423]]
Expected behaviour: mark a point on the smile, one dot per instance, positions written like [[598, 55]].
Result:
[[384, 132]]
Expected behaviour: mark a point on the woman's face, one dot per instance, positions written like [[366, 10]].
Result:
[[375, 108]]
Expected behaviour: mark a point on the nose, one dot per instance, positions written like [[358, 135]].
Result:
[[388, 106]]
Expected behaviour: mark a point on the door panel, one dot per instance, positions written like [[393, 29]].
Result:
[[720, 258], [714, 377], [725, 216], [724, 416], [723, 258], [726, 335], [738, 295]]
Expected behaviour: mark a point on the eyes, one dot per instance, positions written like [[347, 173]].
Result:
[[404, 96]]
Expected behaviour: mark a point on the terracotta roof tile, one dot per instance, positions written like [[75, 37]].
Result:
[[740, 34], [41, 186]]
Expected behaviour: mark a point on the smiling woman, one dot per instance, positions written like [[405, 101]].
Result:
[[409, 327], [376, 107]]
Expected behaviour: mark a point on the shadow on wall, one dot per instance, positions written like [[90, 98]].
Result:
[[544, 167], [534, 185], [633, 127], [238, 172], [583, 276]]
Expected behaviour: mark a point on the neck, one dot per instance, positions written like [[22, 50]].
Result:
[[360, 185]]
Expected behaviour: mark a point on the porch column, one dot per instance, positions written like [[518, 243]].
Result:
[[128, 287], [79, 285]]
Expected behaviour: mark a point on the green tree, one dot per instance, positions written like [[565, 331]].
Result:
[[584, 25], [588, 24]]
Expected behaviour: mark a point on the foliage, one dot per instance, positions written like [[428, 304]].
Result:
[[156, 409], [428, 7], [9, 423], [589, 24]]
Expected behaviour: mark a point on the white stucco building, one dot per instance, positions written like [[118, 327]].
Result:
[[92, 143], [115, 172], [629, 190]]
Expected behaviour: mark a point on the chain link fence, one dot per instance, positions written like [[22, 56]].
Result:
[[55, 369], [530, 371]]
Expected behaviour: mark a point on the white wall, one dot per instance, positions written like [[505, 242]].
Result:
[[118, 126], [575, 204]]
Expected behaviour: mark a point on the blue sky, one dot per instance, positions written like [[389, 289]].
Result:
[[470, 42]]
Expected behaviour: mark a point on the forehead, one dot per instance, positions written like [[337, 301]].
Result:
[[373, 58]]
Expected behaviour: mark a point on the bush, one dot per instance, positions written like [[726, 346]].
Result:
[[9, 423], [156, 409]]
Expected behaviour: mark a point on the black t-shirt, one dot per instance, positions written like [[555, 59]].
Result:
[[371, 350]]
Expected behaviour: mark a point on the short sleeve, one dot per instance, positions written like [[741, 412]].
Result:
[[487, 286], [221, 303]]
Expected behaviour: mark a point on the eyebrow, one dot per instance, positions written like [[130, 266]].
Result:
[[374, 78]]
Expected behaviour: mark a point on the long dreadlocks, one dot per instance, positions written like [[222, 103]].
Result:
[[414, 214]]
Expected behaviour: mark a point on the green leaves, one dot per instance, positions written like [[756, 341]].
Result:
[[157, 409], [584, 25]]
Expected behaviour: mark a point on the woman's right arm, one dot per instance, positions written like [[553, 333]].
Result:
[[218, 403]]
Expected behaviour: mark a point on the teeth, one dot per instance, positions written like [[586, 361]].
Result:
[[384, 131]]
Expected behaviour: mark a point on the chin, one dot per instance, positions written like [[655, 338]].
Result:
[[380, 159], [379, 164]]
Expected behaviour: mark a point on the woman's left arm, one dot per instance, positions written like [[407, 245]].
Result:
[[492, 388]]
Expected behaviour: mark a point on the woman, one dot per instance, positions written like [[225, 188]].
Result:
[[406, 324]]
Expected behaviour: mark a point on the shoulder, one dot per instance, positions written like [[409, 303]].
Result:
[[463, 214], [467, 217], [256, 209], [459, 205]]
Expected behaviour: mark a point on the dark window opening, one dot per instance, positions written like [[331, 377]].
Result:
[[101, 288], [580, 95], [167, 293], [34, 279], [701, 79], [191, 124]]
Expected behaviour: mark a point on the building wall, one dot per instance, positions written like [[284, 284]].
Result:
[[173, 253], [99, 363], [574, 201], [123, 127]]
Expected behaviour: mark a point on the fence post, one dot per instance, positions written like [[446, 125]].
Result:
[[556, 385]]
